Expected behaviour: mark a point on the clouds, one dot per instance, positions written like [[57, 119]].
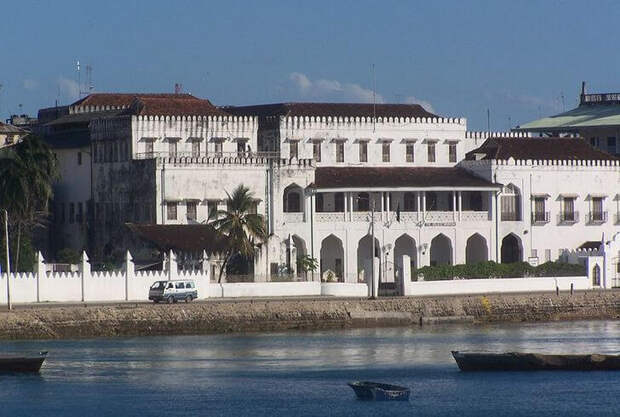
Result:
[[69, 88], [332, 90]]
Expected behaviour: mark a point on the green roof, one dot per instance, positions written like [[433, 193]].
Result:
[[588, 115]]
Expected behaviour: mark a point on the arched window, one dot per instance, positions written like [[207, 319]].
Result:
[[596, 276], [292, 199], [511, 203]]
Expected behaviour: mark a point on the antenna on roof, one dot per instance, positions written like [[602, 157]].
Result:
[[178, 88], [488, 120], [79, 78], [89, 81], [562, 98], [374, 99]]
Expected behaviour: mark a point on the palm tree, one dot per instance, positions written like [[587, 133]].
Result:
[[26, 177], [239, 228]]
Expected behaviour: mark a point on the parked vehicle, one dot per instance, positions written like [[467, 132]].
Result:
[[173, 291]]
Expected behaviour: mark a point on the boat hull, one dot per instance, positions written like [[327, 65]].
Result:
[[374, 391], [515, 361], [21, 364]]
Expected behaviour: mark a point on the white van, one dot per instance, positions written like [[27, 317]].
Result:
[[173, 291]]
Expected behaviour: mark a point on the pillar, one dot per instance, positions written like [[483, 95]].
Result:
[[460, 201], [172, 266], [84, 272], [454, 207], [40, 274], [375, 278], [130, 273], [405, 279]]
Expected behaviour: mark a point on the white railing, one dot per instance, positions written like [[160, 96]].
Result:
[[329, 217], [439, 217], [293, 217], [474, 216], [363, 216]]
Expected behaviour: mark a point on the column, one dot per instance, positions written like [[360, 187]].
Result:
[[350, 197], [460, 200], [423, 203], [418, 204], [382, 194], [388, 201], [454, 208]]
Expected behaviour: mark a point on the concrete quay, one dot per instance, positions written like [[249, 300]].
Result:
[[57, 321]]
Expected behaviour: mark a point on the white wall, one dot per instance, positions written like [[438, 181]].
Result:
[[344, 289], [503, 285]]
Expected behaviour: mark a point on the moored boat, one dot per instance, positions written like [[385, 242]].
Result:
[[518, 361], [366, 390], [22, 363]]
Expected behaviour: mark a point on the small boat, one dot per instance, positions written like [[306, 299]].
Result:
[[366, 390], [517, 361], [22, 363]]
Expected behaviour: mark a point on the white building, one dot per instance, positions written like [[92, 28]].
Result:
[[440, 194]]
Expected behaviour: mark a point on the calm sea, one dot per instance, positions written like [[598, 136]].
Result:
[[305, 374]]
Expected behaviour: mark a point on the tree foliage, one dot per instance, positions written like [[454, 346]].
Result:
[[492, 269], [240, 229], [26, 178]]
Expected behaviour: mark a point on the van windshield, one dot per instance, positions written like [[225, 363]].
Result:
[[159, 285]]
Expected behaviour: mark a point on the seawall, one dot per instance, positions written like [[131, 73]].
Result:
[[52, 322]]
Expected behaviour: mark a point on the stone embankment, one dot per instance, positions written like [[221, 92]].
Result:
[[51, 322]]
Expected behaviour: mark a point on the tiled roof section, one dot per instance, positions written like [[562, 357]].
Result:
[[173, 106], [83, 118], [331, 109], [557, 149], [379, 177], [122, 99], [10, 129], [186, 237]]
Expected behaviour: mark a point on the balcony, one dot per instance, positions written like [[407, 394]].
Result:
[[568, 218], [540, 217], [597, 217]]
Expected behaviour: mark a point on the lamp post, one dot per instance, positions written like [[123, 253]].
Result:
[[373, 294], [8, 261]]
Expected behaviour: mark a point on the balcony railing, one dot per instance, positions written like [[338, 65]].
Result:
[[568, 217], [597, 217], [540, 217], [293, 217], [474, 216], [329, 217]]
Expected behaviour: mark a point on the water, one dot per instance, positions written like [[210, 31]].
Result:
[[305, 374]]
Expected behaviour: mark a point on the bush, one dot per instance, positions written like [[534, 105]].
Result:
[[68, 256], [492, 269]]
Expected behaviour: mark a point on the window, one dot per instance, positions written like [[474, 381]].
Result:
[[611, 144], [191, 210], [172, 148], [540, 215], [596, 275], [597, 214], [411, 201], [410, 153], [195, 148], [568, 210], [180, 285], [241, 148], [339, 202], [218, 148], [212, 209], [318, 203], [148, 148], [511, 203], [547, 255], [79, 158], [189, 285], [316, 150], [292, 203], [431, 152], [363, 201], [171, 211], [364, 151], [80, 212], [294, 149], [71, 212], [385, 152], [452, 152], [339, 151]]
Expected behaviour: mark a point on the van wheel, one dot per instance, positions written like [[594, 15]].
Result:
[[156, 301], [189, 299], [170, 299]]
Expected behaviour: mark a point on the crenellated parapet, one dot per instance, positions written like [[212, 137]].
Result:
[[324, 122], [485, 135], [613, 165]]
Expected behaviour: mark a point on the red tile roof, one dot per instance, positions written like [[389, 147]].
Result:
[[331, 109], [122, 99], [173, 106], [556, 149], [379, 177]]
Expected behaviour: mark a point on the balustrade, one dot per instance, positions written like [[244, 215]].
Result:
[[293, 217]]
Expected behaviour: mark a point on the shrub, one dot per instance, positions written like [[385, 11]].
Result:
[[492, 269]]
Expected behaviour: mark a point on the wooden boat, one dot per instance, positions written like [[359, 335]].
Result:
[[366, 390], [516, 361], [22, 363]]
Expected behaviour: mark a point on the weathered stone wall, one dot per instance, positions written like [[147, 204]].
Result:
[[265, 315]]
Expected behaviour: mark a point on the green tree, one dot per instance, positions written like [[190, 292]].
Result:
[[26, 178], [307, 263], [238, 227]]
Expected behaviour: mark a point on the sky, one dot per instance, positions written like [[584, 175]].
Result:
[[521, 60]]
